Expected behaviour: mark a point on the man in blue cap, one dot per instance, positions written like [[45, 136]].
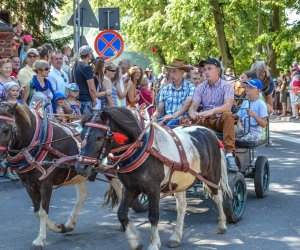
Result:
[[253, 112]]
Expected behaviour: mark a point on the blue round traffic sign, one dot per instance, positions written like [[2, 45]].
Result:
[[107, 43]]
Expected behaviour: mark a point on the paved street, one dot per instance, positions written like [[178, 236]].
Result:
[[270, 223]]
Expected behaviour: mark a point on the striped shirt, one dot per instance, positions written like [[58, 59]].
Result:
[[174, 98], [211, 96]]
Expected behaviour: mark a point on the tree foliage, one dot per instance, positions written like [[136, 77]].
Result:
[[34, 14], [187, 29]]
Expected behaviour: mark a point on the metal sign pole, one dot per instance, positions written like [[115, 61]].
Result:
[[108, 27]]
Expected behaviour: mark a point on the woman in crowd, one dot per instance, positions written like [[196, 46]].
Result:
[[146, 95], [5, 76], [134, 79], [39, 88], [263, 73], [98, 69], [107, 85]]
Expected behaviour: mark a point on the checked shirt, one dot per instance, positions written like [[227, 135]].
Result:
[[174, 98]]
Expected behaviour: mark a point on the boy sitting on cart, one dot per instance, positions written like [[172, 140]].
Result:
[[253, 113]]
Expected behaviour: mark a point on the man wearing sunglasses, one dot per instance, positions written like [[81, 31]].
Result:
[[25, 74], [57, 77]]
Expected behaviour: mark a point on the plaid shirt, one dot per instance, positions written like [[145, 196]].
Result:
[[211, 96], [174, 98]]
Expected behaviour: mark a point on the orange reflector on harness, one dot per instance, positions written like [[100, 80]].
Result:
[[220, 144], [120, 138]]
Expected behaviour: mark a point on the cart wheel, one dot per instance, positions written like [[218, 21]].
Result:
[[261, 176], [141, 203], [234, 207]]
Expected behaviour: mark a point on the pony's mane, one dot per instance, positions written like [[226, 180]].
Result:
[[124, 120], [15, 110], [120, 119]]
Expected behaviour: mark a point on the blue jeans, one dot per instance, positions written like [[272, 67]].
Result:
[[86, 108], [173, 123]]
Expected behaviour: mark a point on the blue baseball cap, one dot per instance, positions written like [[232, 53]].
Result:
[[73, 86], [256, 83], [59, 95]]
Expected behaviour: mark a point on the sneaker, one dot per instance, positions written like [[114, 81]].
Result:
[[231, 165]]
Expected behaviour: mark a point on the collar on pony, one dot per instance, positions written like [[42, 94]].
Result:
[[117, 137]]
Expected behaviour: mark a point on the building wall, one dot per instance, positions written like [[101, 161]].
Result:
[[5, 43]]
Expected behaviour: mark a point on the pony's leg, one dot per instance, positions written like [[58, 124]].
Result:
[[181, 204], [218, 199], [153, 216], [81, 194], [130, 230], [46, 191]]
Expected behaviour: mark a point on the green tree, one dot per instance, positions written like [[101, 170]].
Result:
[[34, 14]]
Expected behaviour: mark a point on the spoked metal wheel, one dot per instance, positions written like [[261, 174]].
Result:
[[141, 203], [261, 176], [234, 207]]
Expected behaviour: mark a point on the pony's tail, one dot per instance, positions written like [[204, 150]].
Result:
[[111, 199], [224, 177]]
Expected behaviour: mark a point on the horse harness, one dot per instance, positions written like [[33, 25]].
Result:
[[32, 156], [136, 153]]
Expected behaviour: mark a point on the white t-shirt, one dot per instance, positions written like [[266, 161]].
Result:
[[259, 107], [58, 79]]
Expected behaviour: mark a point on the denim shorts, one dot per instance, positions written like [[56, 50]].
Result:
[[86, 108]]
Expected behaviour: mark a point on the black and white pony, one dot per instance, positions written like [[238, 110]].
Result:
[[146, 169], [27, 140]]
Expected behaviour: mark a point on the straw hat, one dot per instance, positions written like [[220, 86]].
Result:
[[178, 64]]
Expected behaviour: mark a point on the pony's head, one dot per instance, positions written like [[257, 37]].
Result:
[[102, 132], [11, 115]]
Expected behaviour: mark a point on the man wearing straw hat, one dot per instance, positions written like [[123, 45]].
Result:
[[176, 97]]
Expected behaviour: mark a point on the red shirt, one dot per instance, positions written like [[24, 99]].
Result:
[[146, 97], [14, 74], [296, 87]]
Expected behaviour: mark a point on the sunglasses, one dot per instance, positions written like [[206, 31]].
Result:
[[111, 70], [31, 56], [46, 69]]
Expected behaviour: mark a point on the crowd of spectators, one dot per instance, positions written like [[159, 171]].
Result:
[[69, 90]]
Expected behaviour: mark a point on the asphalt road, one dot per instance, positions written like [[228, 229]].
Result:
[[269, 223]]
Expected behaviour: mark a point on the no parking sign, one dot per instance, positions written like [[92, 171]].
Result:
[[107, 43]]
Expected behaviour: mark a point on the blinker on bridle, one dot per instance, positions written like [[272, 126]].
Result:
[[7, 119]]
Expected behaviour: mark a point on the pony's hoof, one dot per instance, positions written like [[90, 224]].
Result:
[[139, 247], [222, 230], [37, 248], [173, 243]]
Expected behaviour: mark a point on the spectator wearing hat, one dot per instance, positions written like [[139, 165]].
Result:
[[27, 44], [15, 66], [57, 77], [151, 79], [26, 73], [176, 97], [72, 105], [58, 107], [253, 112], [216, 96], [83, 76]]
